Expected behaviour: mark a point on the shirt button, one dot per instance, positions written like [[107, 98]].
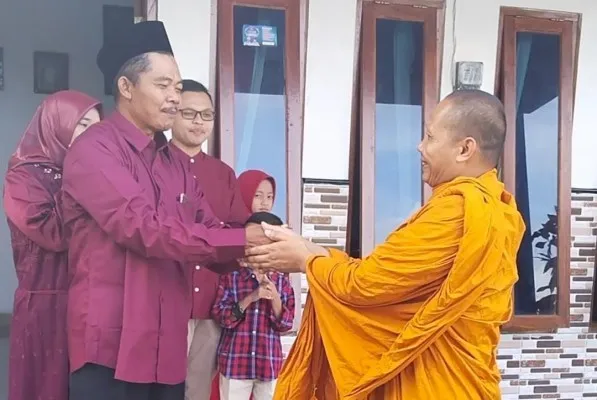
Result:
[[197, 267], [192, 161], [254, 332], [253, 353], [194, 176], [196, 289]]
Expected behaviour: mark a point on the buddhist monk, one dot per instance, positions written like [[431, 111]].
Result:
[[139, 225], [420, 317], [193, 125], [38, 361]]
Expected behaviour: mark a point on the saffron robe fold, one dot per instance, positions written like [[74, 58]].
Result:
[[420, 317]]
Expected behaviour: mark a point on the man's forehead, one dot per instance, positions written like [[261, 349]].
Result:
[[163, 66], [197, 100]]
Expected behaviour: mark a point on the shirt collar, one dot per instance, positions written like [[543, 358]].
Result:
[[247, 273], [138, 139], [184, 156]]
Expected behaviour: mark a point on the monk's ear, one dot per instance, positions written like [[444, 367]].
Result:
[[468, 147], [125, 87]]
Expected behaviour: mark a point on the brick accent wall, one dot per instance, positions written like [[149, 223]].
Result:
[[561, 365]]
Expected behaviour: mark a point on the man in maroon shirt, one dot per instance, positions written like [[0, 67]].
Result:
[[192, 126], [137, 222]]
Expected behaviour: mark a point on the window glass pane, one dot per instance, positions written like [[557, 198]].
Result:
[[537, 116], [259, 95], [398, 123]]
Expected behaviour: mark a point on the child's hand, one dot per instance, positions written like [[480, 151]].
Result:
[[262, 292], [267, 282]]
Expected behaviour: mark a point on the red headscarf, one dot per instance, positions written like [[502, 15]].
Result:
[[249, 181], [51, 129]]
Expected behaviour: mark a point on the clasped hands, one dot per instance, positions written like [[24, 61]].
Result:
[[278, 248]]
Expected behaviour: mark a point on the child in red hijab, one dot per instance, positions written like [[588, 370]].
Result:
[[258, 190], [253, 309]]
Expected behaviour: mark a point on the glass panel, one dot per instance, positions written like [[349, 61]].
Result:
[[259, 95], [537, 116], [398, 123]]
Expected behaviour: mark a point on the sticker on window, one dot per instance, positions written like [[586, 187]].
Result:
[[260, 35]]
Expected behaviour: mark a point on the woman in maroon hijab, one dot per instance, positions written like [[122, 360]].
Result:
[[38, 366]]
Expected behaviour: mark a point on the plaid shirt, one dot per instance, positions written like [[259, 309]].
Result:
[[250, 348]]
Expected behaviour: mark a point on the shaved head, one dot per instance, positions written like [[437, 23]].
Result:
[[464, 136], [479, 115]]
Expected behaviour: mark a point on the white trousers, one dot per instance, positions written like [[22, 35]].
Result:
[[241, 389], [202, 340]]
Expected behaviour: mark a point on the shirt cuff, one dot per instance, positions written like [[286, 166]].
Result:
[[229, 244]]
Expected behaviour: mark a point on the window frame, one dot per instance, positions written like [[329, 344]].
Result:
[[431, 13], [223, 143], [567, 25]]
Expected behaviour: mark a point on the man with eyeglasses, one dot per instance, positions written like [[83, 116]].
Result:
[[193, 125]]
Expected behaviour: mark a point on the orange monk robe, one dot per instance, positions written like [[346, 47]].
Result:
[[420, 317]]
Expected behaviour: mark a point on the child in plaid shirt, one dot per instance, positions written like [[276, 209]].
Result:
[[253, 308]]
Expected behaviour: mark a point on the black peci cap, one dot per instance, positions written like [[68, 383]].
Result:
[[133, 40]]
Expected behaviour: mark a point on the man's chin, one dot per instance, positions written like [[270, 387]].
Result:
[[165, 126]]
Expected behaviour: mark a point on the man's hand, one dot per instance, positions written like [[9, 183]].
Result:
[[256, 236], [288, 254]]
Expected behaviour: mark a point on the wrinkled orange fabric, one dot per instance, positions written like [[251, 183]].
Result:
[[420, 317]]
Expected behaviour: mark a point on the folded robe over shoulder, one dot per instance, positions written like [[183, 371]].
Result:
[[420, 317]]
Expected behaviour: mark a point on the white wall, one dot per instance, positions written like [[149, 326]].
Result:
[[476, 32], [71, 26], [329, 88], [191, 27], [330, 68]]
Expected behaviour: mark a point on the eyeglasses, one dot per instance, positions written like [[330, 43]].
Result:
[[206, 115]]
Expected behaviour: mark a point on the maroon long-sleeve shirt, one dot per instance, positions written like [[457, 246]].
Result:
[[218, 181], [130, 208]]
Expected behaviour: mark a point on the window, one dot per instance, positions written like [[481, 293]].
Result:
[[536, 75], [260, 96], [399, 71]]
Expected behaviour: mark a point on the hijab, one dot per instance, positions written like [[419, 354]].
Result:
[[249, 181], [51, 129]]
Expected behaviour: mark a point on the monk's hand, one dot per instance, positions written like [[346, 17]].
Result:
[[256, 236], [288, 253], [278, 233]]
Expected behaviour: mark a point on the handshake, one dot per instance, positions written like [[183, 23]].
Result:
[[273, 246]]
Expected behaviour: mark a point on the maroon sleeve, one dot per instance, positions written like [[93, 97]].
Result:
[[96, 178], [207, 217], [33, 209]]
